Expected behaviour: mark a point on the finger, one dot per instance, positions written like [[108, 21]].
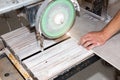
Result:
[[91, 46], [88, 43], [84, 40]]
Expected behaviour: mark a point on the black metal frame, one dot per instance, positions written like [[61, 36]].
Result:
[[78, 68]]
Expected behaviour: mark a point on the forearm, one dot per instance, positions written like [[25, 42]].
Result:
[[112, 27]]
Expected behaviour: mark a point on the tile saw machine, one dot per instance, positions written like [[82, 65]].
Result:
[[50, 50]]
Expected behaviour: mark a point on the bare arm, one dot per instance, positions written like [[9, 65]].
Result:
[[113, 26], [93, 39]]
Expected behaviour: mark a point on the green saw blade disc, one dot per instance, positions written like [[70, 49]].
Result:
[[57, 18]]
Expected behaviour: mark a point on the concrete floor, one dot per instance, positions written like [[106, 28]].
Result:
[[94, 72]]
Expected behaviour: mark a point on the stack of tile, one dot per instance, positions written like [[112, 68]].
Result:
[[23, 43]]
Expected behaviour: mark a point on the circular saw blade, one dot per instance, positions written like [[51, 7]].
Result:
[[56, 18]]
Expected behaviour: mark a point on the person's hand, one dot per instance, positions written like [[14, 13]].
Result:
[[93, 39]]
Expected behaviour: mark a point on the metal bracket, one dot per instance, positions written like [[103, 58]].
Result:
[[2, 46], [76, 5]]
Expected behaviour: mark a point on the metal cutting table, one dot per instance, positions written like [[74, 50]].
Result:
[[56, 60], [60, 56]]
